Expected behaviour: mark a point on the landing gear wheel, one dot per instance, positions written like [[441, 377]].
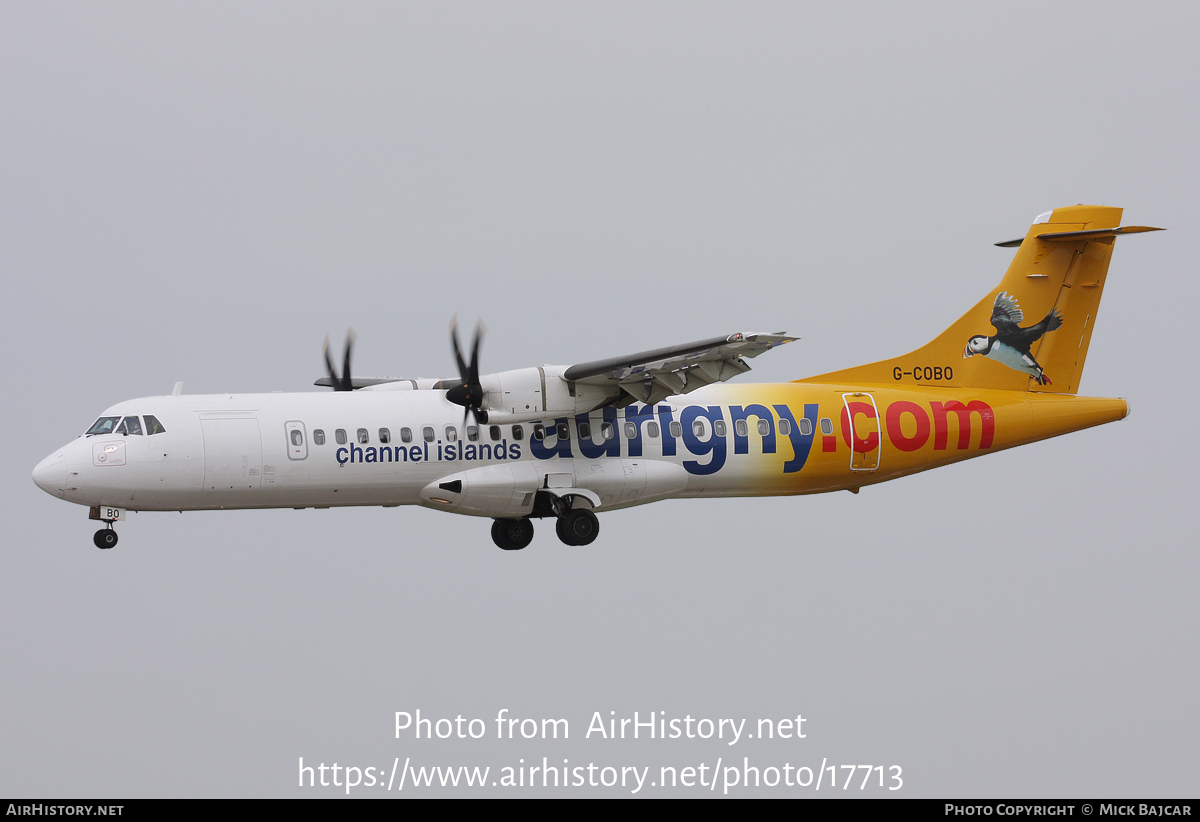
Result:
[[560, 528], [105, 538], [578, 527], [512, 534]]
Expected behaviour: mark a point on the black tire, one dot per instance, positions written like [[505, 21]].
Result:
[[105, 538], [581, 526], [512, 534], [560, 528]]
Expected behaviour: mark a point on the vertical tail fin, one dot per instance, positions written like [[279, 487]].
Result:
[[1031, 332]]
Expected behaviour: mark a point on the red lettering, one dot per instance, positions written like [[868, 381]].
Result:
[[987, 419], [862, 446], [896, 432]]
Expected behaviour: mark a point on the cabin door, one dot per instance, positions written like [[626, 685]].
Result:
[[860, 426], [232, 453]]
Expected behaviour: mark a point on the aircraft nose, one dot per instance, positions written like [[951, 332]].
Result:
[[51, 475]]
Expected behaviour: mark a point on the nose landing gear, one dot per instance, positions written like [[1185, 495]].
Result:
[[105, 537]]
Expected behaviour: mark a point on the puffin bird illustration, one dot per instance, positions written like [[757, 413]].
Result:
[[1010, 345]]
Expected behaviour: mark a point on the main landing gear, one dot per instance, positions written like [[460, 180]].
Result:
[[512, 534], [105, 537], [574, 526], [578, 527]]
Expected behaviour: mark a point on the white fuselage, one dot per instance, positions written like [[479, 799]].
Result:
[[397, 448]]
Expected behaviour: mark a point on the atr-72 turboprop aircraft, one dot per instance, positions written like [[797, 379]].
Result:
[[570, 441]]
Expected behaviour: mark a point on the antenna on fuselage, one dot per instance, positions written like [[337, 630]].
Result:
[[178, 389]]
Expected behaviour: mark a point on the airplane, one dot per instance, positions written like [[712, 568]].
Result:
[[568, 442]]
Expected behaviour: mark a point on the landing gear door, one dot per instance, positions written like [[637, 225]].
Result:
[[860, 425]]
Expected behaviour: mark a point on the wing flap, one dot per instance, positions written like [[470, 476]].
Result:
[[651, 376]]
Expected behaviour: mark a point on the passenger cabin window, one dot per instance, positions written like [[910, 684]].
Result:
[[539, 432], [385, 436], [363, 436], [607, 431], [698, 428], [104, 425], [318, 436], [153, 426], [427, 433], [676, 429], [805, 426], [585, 431], [826, 426], [494, 433], [630, 431], [130, 425], [785, 427], [764, 428], [472, 433], [451, 433], [562, 431], [297, 438], [405, 435], [719, 428], [518, 433], [340, 436], [652, 429], [740, 428]]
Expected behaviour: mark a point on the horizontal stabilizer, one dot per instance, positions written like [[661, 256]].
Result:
[[1069, 236], [1095, 234]]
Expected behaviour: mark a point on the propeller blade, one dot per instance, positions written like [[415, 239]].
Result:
[[474, 367], [469, 393], [342, 383], [347, 385]]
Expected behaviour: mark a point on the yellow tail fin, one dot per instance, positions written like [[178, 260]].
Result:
[[1031, 333]]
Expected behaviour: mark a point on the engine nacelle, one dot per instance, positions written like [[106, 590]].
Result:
[[529, 394]]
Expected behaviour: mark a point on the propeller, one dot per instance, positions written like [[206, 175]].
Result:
[[469, 393], [342, 383]]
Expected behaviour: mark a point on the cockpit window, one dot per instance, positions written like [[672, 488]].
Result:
[[153, 426], [130, 425], [104, 425]]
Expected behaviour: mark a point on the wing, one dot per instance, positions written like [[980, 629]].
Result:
[[1006, 314], [652, 376], [359, 382]]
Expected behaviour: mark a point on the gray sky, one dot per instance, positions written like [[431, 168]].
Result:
[[201, 192]]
